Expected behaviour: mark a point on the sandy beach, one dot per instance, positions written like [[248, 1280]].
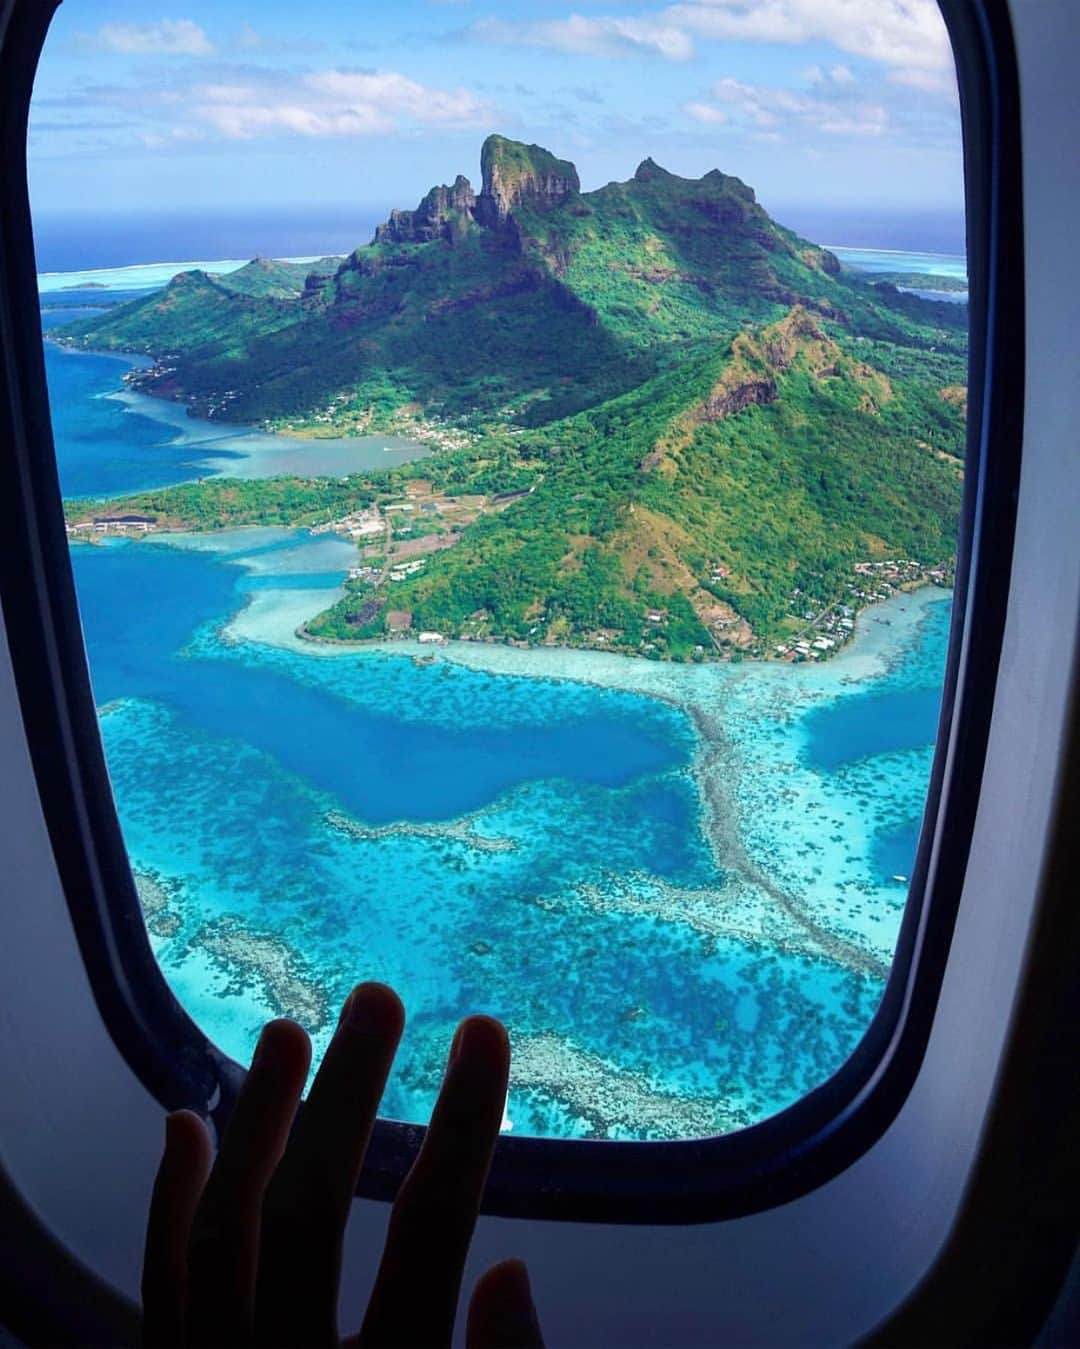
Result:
[[721, 922], [234, 451], [796, 845]]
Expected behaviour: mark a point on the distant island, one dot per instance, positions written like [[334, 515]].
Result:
[[928, 281], [662, 423]]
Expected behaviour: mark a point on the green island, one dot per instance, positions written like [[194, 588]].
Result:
[[661, 423], [931, 281]]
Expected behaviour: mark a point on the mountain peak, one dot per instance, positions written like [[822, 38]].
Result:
[[649, 170], [444, 213], [515, 174]]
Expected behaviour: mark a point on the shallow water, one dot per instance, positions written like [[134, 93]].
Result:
[[110, 440], [140, 276], [896, 260], [677, 885], [532, 847]]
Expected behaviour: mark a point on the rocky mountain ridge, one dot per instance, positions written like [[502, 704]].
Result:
[[685, 421], [512, 175], [443, 212]]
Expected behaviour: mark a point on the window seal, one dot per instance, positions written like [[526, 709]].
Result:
[[701, 1180]]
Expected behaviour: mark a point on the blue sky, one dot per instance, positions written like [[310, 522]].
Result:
[[228, 106]]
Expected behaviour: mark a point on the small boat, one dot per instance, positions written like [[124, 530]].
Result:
[[901, 879]]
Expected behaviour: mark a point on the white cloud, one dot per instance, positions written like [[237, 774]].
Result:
[[243, 121], [829, 108], [897, 33], [396, 93], [244, 102], [603, 36], [833, 78], [905, 36], [708, 113], [168, 37], [928, 81], [332, 103]]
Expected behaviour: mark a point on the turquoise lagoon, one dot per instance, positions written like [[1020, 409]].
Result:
[[679, 886], [139, 276], [877, 260], [110, 440]]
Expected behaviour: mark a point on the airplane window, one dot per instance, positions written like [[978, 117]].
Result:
[[513, 461]]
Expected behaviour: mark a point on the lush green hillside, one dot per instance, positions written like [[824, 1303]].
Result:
[[272, 278], [703, 418], [562, 300], [714, 494], [922, 281]]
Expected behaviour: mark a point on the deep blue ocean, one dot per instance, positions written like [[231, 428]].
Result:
[[104, 447], [537, 847], [73, 240]]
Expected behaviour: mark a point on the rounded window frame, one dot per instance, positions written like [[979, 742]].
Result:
[[699, 1180]]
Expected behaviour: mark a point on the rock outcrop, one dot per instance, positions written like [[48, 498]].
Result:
[[728, 398], [649, 171], [515, 174], [443, 214]]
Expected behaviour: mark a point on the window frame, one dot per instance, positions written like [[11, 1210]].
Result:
[[700, 1180]]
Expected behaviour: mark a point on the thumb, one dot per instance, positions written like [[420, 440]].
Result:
[[501, 1313]]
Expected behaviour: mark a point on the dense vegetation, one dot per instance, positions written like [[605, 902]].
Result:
[[922, 281], [679, 415]]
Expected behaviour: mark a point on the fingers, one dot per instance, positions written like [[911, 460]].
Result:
[[179, 1183], [307, 1204], [419, 1279], [225, 1231], [502, 1314]]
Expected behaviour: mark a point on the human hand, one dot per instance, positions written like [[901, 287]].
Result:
[[245, 1249]]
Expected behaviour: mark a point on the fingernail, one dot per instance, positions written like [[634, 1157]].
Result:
[[373, 1009], [265, 1053], [511, 1308], [480, 1036], [180, 1128], [516, 1274]]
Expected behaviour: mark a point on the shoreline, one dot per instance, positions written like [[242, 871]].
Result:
[[757, 915], [247, 451], [175, 413], [755, 895], [166, 269], [761, 900], [241, 454], [268, 620], [768, 921]]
